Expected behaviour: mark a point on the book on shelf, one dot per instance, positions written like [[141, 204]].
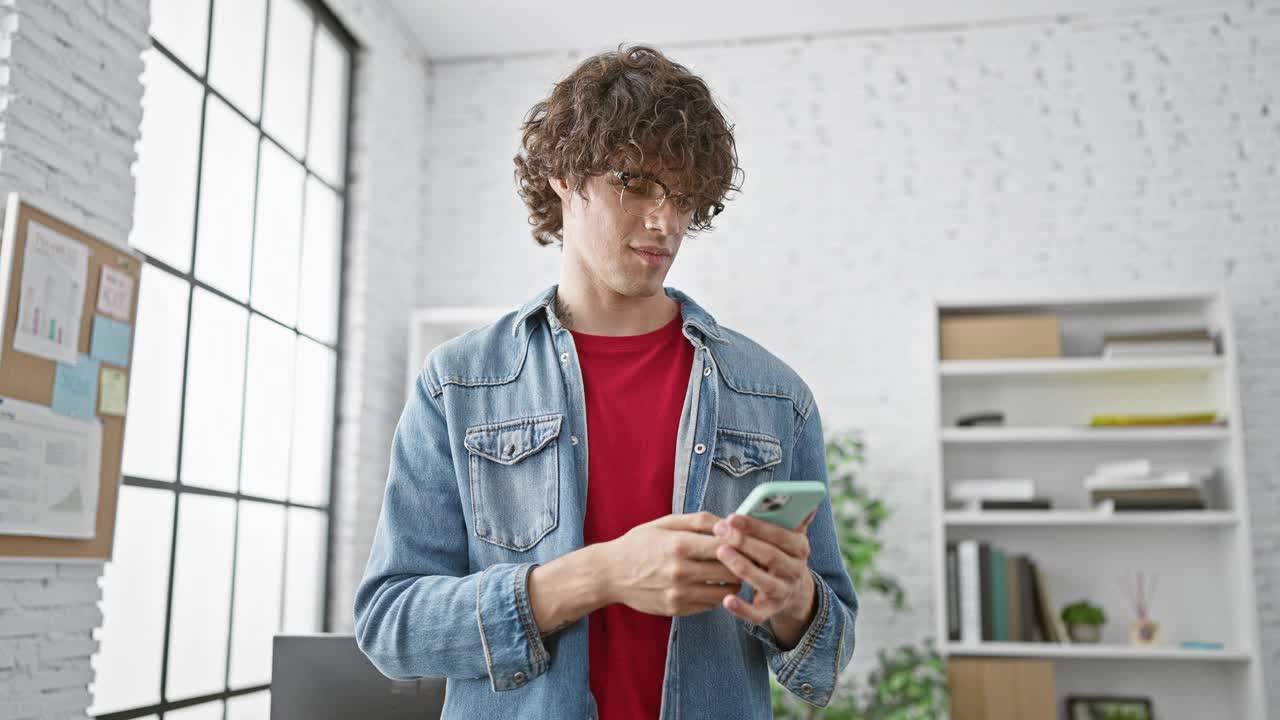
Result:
[[970, 601], [1174, 335], [1165, 343], [1123, 468], [992, 489], [1172, 498], [988, 598], [997, 597], [1117, 350], [1140, 485], [1142, 473], [1013, 599], [1112, 420], [1032, 504], [953, 592], [1051, 626]]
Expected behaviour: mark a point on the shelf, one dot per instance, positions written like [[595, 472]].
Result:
[[1079, 366], [1091, 518], [1054, 651], [958, 436]]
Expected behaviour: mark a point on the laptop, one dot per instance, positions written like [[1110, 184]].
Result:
[[326, 677]]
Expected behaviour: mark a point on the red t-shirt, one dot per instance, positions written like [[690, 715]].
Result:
[[635, 387]]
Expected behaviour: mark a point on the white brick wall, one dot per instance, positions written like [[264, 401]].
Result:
[[69, 117], [1071, 154], [70, 111], [381, 275]]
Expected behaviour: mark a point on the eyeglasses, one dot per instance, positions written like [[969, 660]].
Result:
[[642, 195]]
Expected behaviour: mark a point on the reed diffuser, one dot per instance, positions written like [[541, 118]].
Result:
[[1141, 591]]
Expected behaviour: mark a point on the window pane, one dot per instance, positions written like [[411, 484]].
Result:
[[284, 115], [215, 385], [259, 576], [235, 63], [226, 200], [304, 578], [321, 245], [254, 706], [268, 410], [275, 244], [155, 383], [201, 596], [203, 711], [312, 424], [327, 138], [135, 585], [164, 202], [182, 26]]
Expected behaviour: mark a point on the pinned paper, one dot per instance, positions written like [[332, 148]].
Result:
[[75, 389], [114, 395], [51, 295], [115, 293], [110, 342]]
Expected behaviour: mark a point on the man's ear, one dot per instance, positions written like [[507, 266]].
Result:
[[561, 187]]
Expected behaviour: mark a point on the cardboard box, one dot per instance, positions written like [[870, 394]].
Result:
[[989, 689], [995, 337]]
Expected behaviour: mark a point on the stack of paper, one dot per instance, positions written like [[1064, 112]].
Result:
[[997, 494], [1171, 343], [1140, 485]]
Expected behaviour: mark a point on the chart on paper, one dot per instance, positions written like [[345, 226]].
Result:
[[49, 468], [54, 272]]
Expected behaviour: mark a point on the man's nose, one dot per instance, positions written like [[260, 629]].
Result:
[[667, 219]]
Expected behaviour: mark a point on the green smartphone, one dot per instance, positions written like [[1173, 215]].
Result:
[[785, 504]]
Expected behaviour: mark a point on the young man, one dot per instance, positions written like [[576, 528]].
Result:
[[548, 581]]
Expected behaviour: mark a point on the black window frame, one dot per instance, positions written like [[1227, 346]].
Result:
[[325, 20]]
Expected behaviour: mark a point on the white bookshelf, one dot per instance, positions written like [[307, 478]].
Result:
[[1204, 559], [1095, 652], [1067, 434], [1028, 518]]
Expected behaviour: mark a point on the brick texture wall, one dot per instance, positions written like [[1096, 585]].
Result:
[[70, 109], [70, 112], [1071, 154], [388, 161]]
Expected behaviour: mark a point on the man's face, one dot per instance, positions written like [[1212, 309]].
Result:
[[615, 250]]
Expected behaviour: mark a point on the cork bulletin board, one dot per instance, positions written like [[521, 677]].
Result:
[[30, 378]]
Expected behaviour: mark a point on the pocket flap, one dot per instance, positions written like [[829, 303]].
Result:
[[738, 452], [511, 441]]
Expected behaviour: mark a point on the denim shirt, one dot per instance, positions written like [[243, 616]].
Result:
[[488, 479]]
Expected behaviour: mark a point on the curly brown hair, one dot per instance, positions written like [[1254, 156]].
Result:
[[606, 115]]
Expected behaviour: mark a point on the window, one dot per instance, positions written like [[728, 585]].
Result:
[[222, 537]]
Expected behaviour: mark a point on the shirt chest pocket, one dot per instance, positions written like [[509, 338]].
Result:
[[514, 471], [741, 461]]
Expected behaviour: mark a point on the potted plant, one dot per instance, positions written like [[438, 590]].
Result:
[[1084, 621], [910, 681]]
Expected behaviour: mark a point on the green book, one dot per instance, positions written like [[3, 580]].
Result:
[[999, 597]]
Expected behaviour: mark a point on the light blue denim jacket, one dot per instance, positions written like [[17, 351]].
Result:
[[488, 479]]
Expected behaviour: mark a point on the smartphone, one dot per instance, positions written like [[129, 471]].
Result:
[[785, 504]]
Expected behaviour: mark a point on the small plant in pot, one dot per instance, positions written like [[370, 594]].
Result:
[[1084, 621]]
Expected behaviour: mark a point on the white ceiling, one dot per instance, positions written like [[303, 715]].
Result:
[[455, 29]]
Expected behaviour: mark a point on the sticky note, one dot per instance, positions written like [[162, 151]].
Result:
[[114, 395], [110, 342], [115, 293], [75, 388]]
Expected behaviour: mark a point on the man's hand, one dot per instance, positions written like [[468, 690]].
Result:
[[669, 567], [775, 561]]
